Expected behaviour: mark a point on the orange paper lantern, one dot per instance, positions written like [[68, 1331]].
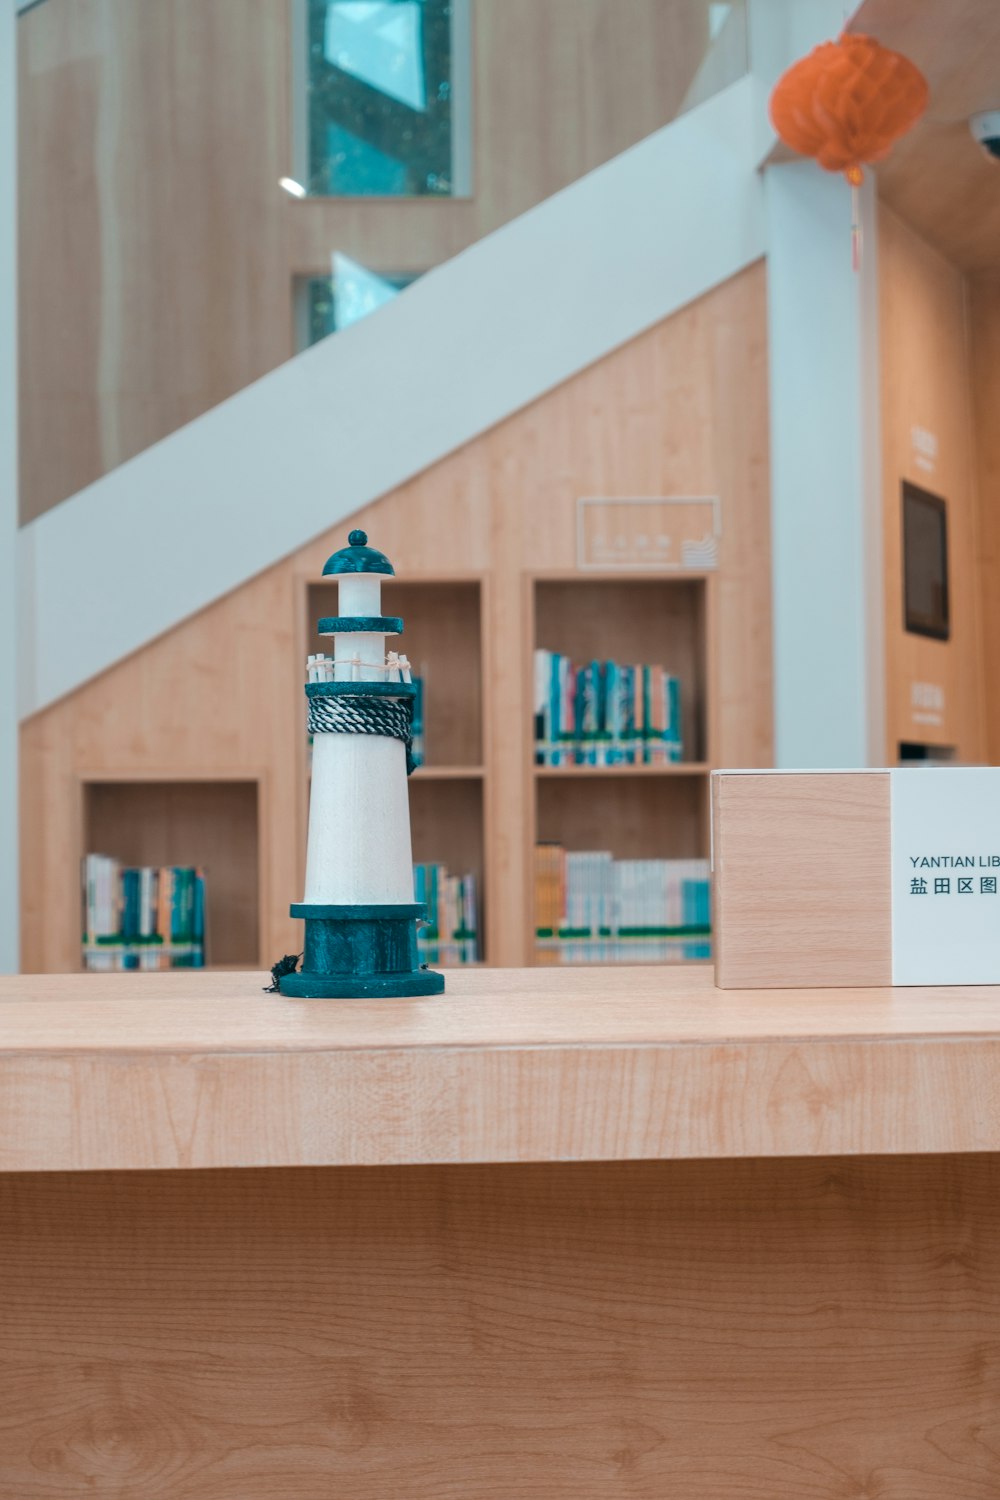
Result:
[[847, 103]]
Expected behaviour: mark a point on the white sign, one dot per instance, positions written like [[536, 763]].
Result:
[[945, 871], [658, 532], [926, 703], [925, 448]]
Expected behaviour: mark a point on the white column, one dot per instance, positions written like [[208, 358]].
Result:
[[826, 504], [9, 901]]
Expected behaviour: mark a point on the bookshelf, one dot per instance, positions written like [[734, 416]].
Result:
[[443, 636], [636, 812], [487, 544], [212, 823], [222, 812]]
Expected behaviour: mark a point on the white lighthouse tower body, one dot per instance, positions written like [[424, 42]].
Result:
[[359, 911]]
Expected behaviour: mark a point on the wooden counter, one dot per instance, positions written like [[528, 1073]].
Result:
[[815, 1321], [203, 1070]]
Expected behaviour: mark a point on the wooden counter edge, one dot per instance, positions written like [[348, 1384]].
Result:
[[85, 1111]]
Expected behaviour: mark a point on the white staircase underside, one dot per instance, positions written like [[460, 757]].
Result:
[[222, 499]]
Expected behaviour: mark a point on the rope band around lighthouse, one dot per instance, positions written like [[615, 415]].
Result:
[[392, 718]]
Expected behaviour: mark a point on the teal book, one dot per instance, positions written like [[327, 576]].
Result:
[[417, 730], [647, 713], [675, 737], [627, 714], [198, 921]]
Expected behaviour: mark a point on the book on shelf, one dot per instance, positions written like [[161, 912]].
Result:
[[605, 713], [593, 908], [451, 933], [417, 727], [142, 917]]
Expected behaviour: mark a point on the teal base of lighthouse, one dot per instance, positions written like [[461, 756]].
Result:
[[360, 952]]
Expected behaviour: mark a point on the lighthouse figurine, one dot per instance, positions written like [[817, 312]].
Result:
[[360, 915]]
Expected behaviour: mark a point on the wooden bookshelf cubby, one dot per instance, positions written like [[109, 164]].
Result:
[[637, 811], [635, 817], [660, 619], [213, 824], [443, 636], [446, 824]]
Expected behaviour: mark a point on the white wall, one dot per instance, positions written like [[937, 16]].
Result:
[[8, 494], [357, 415], [826, 504]]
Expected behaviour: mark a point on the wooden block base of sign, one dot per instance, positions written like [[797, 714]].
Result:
[[801, 869]]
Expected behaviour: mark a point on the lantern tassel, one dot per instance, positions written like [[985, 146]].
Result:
[[855, 227], [855, 176]]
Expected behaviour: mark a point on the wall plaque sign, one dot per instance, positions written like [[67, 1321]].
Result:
[[857, 877], [927, 704], [924, 446], [673, 531]]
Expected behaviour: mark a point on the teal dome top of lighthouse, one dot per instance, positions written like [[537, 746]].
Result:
[[357, 557]]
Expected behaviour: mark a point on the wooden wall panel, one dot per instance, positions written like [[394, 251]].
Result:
[[707, 1331], [984, 324], [926, 385], [153, 261], [157, 248], [680, 410]]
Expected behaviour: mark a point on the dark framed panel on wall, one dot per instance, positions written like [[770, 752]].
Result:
[[926, 603]]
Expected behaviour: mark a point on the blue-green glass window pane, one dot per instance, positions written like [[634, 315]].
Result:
[[380, 98], [335, 302]]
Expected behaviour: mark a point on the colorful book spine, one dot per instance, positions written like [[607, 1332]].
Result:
[[450, 934], [142, 917], [605, 713], [542, 714], [599, 909]]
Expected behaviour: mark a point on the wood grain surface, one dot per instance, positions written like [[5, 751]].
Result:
[[984, 342], [175, 1071], [926, 333], [933, 178], [801, 887], [811, 1330]]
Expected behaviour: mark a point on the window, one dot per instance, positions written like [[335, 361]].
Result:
[[384, 109], [324, 304]]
